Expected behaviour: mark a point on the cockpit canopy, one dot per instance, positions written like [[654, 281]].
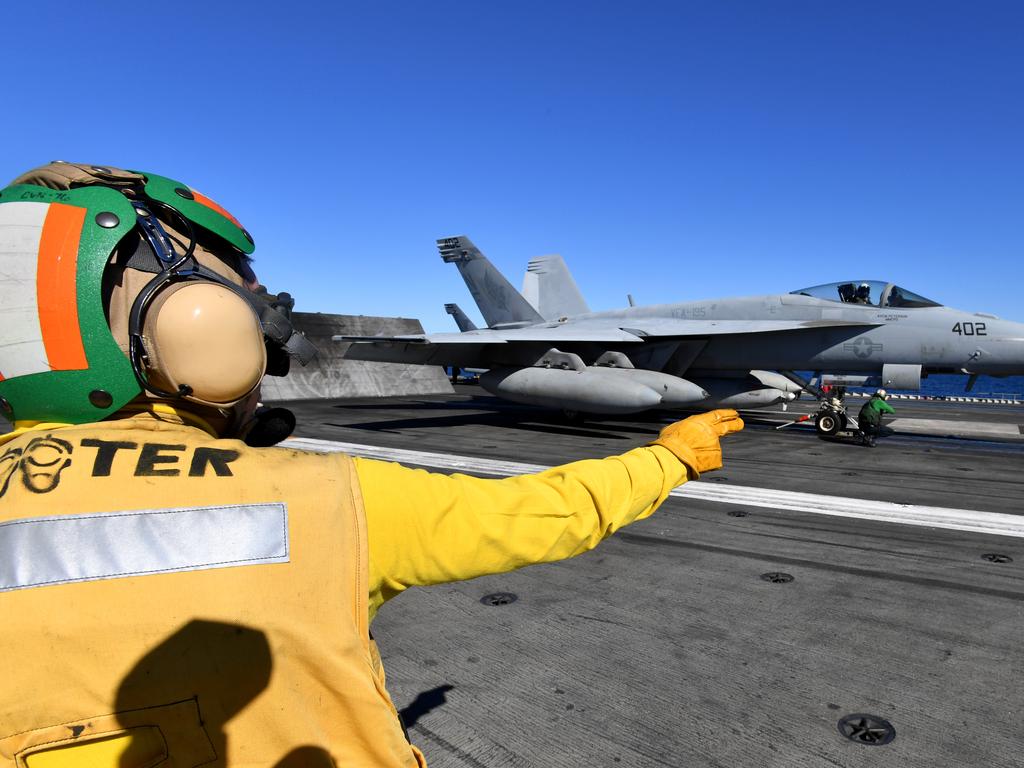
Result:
[[874, 293]]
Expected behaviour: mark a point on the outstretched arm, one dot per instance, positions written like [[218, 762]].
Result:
[[427, 528]]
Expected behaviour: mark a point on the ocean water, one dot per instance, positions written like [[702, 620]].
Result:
[[952, 385]]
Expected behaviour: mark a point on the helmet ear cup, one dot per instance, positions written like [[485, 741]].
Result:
[[206, 337]]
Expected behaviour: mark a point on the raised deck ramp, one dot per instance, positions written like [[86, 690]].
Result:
[[330, 376]]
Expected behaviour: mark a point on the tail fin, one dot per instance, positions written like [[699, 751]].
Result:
[[549, 287], [498, 301], [461, 319]]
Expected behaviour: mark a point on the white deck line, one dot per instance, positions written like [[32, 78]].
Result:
[[838, 506], [958, 428]]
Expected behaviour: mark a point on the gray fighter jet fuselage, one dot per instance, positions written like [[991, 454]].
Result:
[[720, 352], [937, 338]]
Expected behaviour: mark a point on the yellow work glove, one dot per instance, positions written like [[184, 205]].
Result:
[[694, 441]]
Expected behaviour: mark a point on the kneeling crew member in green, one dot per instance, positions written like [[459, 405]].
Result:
[[869, 420], [175, 593]]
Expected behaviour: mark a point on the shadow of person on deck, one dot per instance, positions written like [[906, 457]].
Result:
[[423, 703], [211, 671]]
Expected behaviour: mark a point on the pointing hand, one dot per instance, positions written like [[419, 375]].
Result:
[[695, 441]]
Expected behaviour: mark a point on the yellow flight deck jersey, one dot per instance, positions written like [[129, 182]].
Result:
[[172, 599]]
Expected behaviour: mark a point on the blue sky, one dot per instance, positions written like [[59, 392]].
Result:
[[675, 150]]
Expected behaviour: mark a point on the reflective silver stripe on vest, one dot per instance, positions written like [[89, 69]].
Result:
[[63, 548]]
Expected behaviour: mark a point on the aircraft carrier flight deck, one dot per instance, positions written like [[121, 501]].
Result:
[[814, 603]]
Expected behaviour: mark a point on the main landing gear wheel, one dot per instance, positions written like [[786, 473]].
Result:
[[828, 423]]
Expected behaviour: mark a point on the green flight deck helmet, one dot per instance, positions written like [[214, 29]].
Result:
[[91, 260]]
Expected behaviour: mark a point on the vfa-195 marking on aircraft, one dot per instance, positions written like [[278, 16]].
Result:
[[545, 347]]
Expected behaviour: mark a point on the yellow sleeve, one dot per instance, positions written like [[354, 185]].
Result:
[[427, 528]]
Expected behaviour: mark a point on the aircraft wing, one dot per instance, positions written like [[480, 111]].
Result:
[[462, 348], [469, 348], [662, 327], [555, 335], [608, 331]]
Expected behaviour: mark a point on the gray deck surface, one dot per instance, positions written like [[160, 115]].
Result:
[[664, 647]]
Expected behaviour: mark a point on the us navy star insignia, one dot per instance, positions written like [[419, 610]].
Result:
[[863, 347]]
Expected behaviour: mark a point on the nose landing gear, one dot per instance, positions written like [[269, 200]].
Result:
[[831, 418]]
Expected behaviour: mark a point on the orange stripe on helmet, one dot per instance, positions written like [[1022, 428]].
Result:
[[57, 287], [204, 200]]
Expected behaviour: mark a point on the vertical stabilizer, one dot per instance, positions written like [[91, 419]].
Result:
[[531, 290], [461, 318], [549, 287], [498, 301]]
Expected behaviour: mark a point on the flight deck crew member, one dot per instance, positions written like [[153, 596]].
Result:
[[172, 594], [869, 420]]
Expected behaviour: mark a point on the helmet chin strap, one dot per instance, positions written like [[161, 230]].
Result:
[[171, 270]]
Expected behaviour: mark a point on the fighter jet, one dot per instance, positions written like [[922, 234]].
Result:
[[735, 352]]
